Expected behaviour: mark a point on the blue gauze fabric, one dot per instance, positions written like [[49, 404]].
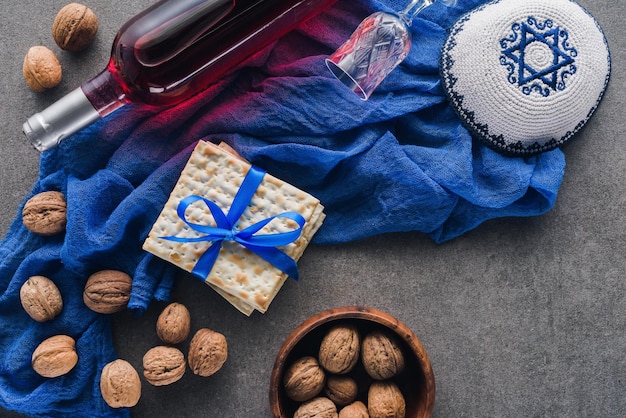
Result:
[[398, 162]]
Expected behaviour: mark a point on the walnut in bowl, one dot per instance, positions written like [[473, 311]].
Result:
[[410, 371]]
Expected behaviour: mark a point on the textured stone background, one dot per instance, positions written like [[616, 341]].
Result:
[[520, 317]]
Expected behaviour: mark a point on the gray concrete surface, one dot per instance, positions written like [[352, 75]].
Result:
[[521, 317]]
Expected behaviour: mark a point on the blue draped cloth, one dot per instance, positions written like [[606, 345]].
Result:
[[398, 162]]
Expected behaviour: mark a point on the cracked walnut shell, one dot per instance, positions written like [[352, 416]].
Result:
[[41, 69], [41, 298], [55, 356], [304, 379], [208, 352], [163, 365], [74, 27]]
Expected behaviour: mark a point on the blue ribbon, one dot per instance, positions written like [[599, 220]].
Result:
[[264, 245]]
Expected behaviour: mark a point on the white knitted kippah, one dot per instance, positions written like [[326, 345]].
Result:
[[525, 75]]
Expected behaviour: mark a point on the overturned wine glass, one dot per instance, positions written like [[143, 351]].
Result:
[[380, 42]]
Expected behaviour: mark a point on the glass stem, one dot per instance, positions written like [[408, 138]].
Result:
[[412, 9]]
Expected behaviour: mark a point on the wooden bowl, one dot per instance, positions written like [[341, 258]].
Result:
[[417, 381]]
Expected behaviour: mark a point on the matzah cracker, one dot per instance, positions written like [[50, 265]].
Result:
[[216, 174], [308, 231], [246, 308]]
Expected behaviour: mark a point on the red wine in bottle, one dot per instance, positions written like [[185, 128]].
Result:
[[168, 53]]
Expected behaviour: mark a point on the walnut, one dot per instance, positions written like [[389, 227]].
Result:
[[45, 213], [163, 365], [384, 400], [381, 355], [304, 379], [354, 410], [41, 69], [41, 298], [208, 352], [174, 323], [55, 356], [342, 390], [339, 350], [317, 408], [74, 27], [107, 291], [120, 384]]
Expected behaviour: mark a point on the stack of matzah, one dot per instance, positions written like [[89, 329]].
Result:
[[246, 280]]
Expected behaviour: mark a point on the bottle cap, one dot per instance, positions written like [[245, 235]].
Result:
[[47, 129]]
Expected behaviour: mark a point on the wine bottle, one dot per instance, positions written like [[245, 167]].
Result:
[[168, 53]]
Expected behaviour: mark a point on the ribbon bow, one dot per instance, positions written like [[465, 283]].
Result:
[[263, 244]]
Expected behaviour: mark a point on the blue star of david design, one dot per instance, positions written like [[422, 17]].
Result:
[[526, 73]]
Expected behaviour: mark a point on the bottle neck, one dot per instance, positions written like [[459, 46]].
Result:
[[46, 129], [104, 93], [95, 99]]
